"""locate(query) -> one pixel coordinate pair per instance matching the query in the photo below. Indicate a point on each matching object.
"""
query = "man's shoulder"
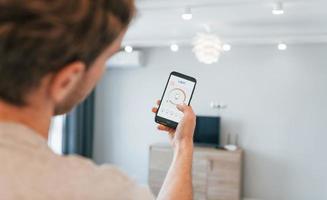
(71, 177)
(32, 170)
(106, 179)
(79, 164)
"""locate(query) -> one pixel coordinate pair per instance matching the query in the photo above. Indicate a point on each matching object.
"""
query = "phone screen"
(178, 91)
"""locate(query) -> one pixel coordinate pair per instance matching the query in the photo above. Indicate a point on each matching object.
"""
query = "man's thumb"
(181, 107)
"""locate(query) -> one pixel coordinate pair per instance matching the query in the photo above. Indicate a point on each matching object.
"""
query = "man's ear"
(65, 80)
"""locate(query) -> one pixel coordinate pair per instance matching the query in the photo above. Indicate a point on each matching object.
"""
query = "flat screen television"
(207, 131)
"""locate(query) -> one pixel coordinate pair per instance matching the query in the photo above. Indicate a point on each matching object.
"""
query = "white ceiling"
(159, 23)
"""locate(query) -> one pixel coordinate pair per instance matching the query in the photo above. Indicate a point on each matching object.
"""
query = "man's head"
(56, 50)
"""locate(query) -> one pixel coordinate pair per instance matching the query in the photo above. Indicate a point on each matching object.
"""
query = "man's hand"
(183, 135)
(178, 182)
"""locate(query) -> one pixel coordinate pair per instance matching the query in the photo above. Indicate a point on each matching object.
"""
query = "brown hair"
(38, 37)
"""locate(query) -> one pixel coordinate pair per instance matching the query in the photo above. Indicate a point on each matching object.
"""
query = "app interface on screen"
(178, 91)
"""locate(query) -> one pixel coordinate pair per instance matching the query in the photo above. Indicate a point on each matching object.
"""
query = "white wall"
(276, 103)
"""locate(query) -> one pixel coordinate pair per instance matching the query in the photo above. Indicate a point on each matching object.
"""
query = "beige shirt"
(30, 170)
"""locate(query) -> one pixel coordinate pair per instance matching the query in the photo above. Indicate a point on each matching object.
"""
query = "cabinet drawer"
(224, 180)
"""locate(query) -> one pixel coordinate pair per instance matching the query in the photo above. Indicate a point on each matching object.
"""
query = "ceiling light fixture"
(207, 47)
(128, 49)
(174, 47)
(187, 15)
(282, 46)
(227, 47)
(278, 9)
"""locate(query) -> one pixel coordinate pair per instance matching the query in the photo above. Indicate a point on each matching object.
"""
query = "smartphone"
(179, 90)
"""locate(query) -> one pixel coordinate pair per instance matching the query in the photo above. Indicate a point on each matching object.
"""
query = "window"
(56, 133)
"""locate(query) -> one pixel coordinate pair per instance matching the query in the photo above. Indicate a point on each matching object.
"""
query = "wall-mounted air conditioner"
(126, 60)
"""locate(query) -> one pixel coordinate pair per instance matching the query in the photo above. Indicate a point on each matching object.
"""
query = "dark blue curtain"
(79, 128)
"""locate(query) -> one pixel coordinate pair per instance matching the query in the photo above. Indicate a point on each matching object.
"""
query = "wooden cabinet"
(216, 173)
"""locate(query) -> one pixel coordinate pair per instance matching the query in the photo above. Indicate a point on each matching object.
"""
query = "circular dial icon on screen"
(177, 96)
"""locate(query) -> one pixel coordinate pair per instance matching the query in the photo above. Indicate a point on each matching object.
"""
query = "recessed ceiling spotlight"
(278, 9)
(187, 15)
(174, 47)
(282, 46)
(128, 49)
(227, 47)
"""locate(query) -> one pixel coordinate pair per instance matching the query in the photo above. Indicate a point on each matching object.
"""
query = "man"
(52, 53)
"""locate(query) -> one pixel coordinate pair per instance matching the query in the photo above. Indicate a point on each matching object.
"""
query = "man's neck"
(34, 117)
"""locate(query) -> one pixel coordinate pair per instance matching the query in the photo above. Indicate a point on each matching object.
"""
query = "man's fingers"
(165, 128)
(162, 128)
(154, 110)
